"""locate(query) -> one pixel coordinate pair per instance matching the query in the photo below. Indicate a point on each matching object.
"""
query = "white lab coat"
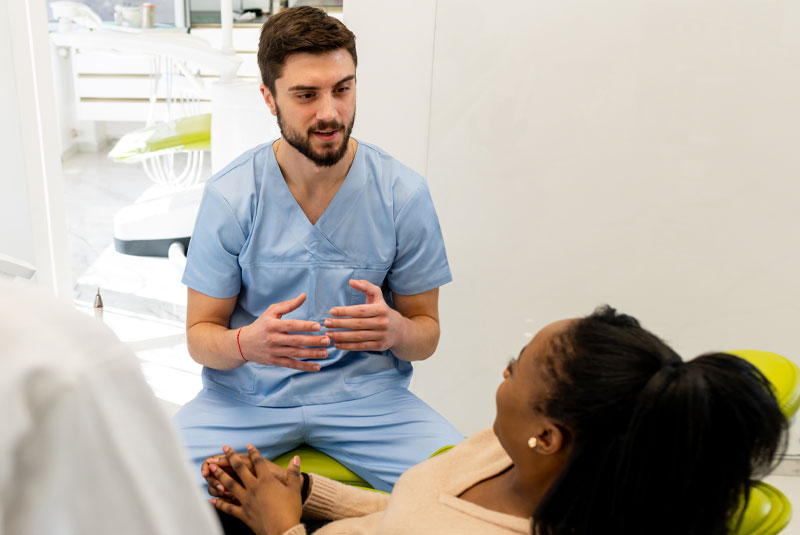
(85, 447)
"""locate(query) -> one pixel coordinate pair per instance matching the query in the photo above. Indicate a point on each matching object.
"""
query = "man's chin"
(329, 157)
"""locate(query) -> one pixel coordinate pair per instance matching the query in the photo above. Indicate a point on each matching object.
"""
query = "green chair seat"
(184, 134)
(313, 460)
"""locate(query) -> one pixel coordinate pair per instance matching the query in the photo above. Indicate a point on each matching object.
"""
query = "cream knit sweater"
(424, 499)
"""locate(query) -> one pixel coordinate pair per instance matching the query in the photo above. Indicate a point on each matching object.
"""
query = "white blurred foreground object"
(11, 267)
(87, 448)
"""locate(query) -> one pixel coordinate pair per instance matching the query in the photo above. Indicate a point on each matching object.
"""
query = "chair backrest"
(783, 374)
(768, 510)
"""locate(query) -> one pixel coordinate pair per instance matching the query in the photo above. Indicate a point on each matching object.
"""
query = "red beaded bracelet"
(240, 345)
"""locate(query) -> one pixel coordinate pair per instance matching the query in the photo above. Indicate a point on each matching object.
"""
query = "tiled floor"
(145, 303)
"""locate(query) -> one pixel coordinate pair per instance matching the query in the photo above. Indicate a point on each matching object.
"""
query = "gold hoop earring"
(532, 442)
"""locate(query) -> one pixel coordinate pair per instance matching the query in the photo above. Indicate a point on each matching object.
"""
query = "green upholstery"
(443, 449)
(187, 133)
(313, 460)
(768, 510)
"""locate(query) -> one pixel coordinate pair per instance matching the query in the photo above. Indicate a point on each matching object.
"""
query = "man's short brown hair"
(299, 29)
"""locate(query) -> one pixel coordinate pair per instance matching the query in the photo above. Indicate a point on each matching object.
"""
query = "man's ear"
(268, 98)
(551, 439)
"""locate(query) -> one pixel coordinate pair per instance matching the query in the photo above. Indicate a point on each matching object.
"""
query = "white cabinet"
(116, 86)
(245, 43)
(110, 77)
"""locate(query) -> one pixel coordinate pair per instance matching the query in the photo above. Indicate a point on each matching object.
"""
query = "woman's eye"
(510, 366)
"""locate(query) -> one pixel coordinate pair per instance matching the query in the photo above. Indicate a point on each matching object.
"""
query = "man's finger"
(359, 346)
(356, 324)
(298, 326)
(277, 310)
(355, 311)
(302, 340)
(374, 293)
(301, 352)
(294, 353)
(286, 362)
(227, 507)
(356, 336)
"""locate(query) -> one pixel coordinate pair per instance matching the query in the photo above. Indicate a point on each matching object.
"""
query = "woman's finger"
(259, 463)
(213, 486)
(294, 465)
(240, 468)
(227, 507)
(230, 484)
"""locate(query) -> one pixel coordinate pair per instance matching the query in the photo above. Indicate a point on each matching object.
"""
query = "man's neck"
(304, 175)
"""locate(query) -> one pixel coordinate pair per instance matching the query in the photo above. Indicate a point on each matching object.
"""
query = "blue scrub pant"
(378, 437)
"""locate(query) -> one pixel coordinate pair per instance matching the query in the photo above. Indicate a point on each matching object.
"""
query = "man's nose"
(326, 111)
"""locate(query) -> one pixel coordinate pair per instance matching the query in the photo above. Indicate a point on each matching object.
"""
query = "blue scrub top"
(252, 239)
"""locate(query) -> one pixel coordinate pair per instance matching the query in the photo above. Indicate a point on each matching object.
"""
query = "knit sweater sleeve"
(331, 500)
(299, 529)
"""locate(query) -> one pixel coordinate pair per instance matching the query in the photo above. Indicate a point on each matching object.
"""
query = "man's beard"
(302, 143)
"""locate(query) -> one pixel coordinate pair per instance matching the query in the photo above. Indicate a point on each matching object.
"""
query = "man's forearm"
(214, 346)
(418, 339)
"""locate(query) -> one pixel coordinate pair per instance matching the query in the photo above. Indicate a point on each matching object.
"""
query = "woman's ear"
(550, 440)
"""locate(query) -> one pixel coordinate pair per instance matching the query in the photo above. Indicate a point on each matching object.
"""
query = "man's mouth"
(326, 134)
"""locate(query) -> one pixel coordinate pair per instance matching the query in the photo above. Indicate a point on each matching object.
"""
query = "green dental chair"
(160, 223)
(768, 510)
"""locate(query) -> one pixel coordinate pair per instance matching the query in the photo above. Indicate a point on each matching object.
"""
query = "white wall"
(32, 219)
(395, 61)
(641, 154)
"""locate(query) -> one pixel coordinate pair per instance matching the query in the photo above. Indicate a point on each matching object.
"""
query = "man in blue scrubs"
(313, 277)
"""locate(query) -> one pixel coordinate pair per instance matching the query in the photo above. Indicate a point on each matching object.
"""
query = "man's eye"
(304, 96)
(510, 365)
(343, 89)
